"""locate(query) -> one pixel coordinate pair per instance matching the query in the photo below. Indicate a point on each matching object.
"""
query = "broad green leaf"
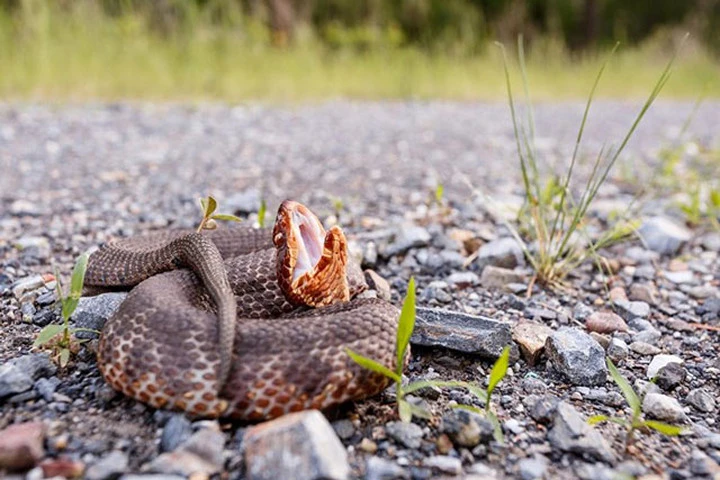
(203, 205)
(406, 325)
(418, 411)
(64, 357)
(419, 385)
(211, 206)
(664, 428)
(78, 276)
(226, 217)
(499, 370)
(404, 410)
(69, 305)
(82, 329)
(261, 214)
(497, 428)
(595, 419)
(627, 391)
(47, 333)
(373, 365)
(469, 408)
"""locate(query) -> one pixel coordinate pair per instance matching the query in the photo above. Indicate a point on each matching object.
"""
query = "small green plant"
(209, 220)
(60, 337)
(636, 421)
(262, 212)
(338, 206)
(702, 206)
(439, 192)
(498, 372)
(551, 216)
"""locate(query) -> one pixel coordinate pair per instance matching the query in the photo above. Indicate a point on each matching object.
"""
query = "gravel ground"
(75, 176)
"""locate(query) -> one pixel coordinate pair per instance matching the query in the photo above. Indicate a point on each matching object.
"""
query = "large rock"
(460, 331)
(21, 446)
(93, 312)
(571, 433)
(664, 408)
(577, 356)
(497, 277)
(663, 236)
(502, 252)
(19, 374)
(201, 454)
(302, 446)
(407, 236)
(109, 467)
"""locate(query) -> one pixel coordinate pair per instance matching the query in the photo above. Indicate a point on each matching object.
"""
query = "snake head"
(311, 262)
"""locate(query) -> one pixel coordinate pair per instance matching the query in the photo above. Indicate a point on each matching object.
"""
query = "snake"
(241, 322)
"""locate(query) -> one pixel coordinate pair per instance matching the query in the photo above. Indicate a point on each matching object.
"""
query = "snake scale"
(240, 322)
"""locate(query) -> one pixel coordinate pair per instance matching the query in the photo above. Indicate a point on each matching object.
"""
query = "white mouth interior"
(310, 240)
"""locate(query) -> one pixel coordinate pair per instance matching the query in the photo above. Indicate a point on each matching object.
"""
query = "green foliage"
(551, 216)
(498, 372)
(59, 337)
(208, 206)
(636, 421)
(262, 213)
(439, 192)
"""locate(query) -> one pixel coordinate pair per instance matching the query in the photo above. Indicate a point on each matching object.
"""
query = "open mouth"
(309, 236)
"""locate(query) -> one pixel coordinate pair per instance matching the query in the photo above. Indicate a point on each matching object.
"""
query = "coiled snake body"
(241, 322)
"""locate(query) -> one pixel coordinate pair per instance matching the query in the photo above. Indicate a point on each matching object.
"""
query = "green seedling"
(338, 206)
(636, 421)
(439, 193)
(551, 217)
(60, 337)
(498, 372)
(262, 212)
(406, 325)
(209, 220)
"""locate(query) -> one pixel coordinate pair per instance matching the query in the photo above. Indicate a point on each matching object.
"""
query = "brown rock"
(531, 337)
(645, 292)
(21, 446)
(62, 467)
(605, 322)
(378, 283)
(617, 293)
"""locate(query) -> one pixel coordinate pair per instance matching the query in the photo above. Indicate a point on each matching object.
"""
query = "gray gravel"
(75, 176)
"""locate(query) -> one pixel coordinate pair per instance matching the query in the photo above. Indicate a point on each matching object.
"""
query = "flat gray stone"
(460, 331)
(630, 310)
(577, 356)
(497, 277)
(407, 434)
(701, 400)
(93, 312)
(109, 467)
(377, 468)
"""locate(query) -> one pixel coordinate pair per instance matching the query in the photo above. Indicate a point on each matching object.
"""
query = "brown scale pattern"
(162, 346)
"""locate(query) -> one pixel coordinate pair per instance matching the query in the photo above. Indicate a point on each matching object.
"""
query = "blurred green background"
(305, 50)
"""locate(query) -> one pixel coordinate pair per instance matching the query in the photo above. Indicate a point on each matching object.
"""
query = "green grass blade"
(578, 140)
(373, 366)
(406, 325)
(226, 217)
(664, 428)
(261, 213)
(418, 411)
(47, 333)
(499, 370)
(469, 408)
(630, 396)
(78, 276)
(511, 102)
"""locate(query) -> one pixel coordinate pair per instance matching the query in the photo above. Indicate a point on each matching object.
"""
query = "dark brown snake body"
(214, 326)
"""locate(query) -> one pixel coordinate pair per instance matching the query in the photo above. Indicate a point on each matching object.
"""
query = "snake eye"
(278, 238)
